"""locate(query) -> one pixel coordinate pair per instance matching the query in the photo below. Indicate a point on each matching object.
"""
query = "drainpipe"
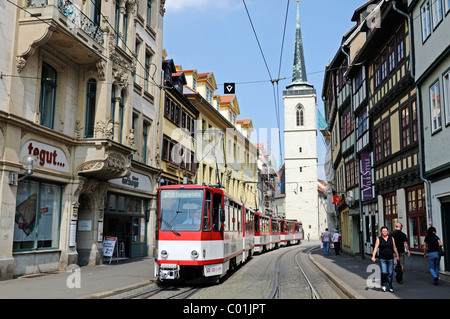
(361, 245)
(419, 117)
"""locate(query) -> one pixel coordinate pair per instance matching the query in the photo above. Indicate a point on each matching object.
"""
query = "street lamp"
(28, 163)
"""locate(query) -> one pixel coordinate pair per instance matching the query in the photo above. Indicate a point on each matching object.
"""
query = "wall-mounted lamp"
(28, 163)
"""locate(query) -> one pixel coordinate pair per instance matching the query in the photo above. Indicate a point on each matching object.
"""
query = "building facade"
(77, 160)
(432, 76)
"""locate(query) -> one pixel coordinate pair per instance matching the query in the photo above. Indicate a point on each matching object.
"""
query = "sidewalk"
(95, 281)
(350, 273)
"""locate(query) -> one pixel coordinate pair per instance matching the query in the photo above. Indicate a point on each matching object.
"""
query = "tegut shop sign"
(47, 156)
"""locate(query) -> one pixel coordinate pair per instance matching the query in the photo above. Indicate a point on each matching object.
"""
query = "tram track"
(308, 272)
(171, 292)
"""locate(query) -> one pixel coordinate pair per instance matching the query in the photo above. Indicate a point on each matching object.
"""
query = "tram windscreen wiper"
(169, 225)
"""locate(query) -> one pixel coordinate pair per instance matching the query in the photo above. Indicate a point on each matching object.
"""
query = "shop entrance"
(120, 227)
(125, 219)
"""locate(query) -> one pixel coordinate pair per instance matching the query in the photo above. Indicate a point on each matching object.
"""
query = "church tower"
(300, 144)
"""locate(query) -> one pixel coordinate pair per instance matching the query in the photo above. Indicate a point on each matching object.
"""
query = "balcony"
(102, 159)
(61, 26)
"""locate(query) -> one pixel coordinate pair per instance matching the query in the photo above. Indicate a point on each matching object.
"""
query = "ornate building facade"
(77, 110)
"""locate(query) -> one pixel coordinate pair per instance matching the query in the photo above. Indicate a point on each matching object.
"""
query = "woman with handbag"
(431, 248)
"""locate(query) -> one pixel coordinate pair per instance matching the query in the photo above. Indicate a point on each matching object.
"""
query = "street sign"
(229, 88)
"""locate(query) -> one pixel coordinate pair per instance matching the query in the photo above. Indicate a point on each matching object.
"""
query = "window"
(447, 6)
(125, 28)
(96, 11)
(391, 56)
(416, 213)
(446, 100)
(414, 126)
(299, 116)
(435, 104)
(426, 20)
(400, 36)
(390, 210)
(116, 29)
(377, 137)
(351, 179)
(148, 62)
(405, 120)
(144, 142)
(149, 12)
(48, 93)
(384, 66)
(436, 12)
(386, 139)
(90, 108)
(362, 124)
(377, 73)
(121, 113)
(341, 77)
(346, 124)
(37, 218)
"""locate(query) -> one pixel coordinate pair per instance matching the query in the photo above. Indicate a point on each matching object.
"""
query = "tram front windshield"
(181, 209)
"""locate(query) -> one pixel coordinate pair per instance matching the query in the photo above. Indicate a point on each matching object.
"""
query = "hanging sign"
(366, 177)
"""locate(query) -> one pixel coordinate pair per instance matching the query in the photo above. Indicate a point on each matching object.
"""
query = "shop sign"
(135, 181)
(366, 176)
(47, 156)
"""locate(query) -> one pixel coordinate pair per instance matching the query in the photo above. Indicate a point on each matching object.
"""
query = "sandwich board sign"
(109, 243)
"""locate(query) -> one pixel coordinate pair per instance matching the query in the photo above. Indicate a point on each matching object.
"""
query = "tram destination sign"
(182, 193)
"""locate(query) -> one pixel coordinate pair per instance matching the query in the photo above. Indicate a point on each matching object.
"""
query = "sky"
(217, 36)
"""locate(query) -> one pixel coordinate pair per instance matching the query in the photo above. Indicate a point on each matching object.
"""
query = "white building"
(300, 138)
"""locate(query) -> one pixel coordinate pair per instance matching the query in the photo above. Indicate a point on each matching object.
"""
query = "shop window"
(37, 218)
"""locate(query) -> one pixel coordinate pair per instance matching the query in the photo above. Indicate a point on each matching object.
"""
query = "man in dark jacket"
(401, 242)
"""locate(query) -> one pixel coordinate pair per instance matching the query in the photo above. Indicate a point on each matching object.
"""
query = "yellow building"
(224, 152)
(178, 120)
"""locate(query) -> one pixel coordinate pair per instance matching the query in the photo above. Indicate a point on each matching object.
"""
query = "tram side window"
(207, 212)
(239, 212)
(256, 223)
(217, 205)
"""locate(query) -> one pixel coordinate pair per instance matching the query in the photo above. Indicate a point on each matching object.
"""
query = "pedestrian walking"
(431, 252)
(387, 247)
(336, 241)
(401, 242)
(308, 236)
(326, 240)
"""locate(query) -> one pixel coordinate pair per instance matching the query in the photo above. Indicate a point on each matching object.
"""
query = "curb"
(345, 288)
(118, 291)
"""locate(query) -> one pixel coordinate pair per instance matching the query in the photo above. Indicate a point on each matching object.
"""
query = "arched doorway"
(88, 253)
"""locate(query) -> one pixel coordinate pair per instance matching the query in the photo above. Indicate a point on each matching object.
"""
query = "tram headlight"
(164, 254)
(194, 254)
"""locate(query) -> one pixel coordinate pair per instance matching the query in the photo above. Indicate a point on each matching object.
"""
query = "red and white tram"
(200, 232)
(203, 232)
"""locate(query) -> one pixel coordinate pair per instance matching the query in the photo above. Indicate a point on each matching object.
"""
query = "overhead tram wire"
(276, 105)
(278, 78)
